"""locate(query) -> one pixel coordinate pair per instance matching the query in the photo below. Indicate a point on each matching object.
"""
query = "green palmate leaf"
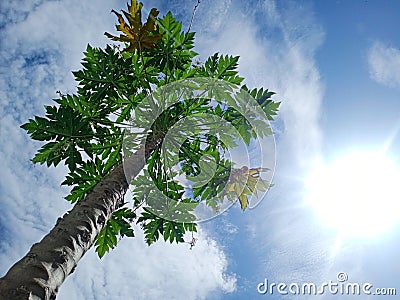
(107, 154)
(59, 123)
(35, 127)
(154, 227)
(118, 226)
(123, 218)
(105, 83)
(74, 157)
(69, 131)
(75, 103)
(174, 232)
(222, 67)
(106, 240)
(263, 97)
(84, 179)
(258, 127)
(174, 56)
(271, 109)
(180, 211)
(214, 187)
(114, 156)
(50, 153)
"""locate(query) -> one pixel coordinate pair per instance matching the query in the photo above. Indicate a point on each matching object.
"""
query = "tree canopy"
(155, 89)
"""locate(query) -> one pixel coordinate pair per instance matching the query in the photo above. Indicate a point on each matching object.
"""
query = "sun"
(357, 194)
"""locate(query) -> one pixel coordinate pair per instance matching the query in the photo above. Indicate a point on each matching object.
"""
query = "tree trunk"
(40, 273)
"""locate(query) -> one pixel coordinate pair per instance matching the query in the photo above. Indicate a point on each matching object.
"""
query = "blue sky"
(335, 65)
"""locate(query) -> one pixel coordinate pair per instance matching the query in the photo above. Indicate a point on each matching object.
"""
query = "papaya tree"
(152, 117)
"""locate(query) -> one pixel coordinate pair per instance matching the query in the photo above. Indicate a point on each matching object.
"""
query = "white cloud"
(31, 200)
(294, 247)
(277, 48)
(384, 64)
(135, 271)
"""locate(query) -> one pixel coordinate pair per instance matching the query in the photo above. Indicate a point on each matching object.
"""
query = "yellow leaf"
(231, 187)
(263, 185)
(135, 14)
(137, 35)
(123, 26)
(256, 171)
(243, 201)
(150, 24)
(238, 189)
(245, 182)
(251, 183)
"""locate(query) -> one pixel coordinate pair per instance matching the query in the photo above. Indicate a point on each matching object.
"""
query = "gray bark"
(40, 273)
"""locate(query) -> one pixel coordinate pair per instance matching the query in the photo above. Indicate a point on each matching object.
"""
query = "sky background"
(335, 65)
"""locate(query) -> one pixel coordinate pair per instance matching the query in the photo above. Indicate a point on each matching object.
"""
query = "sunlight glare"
(357, 194)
